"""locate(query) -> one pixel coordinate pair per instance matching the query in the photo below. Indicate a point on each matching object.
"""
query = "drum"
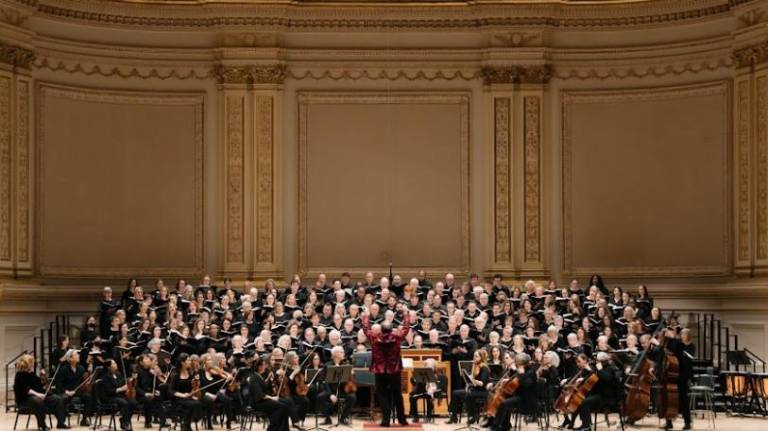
(760, 385)
(736, 383)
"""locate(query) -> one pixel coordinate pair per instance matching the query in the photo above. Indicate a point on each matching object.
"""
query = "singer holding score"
(386, 363)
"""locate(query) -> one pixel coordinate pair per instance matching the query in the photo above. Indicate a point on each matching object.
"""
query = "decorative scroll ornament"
(516, 74)
(16, 56)
(274, 74)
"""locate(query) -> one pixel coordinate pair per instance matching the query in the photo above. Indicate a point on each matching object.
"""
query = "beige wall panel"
(644, 195)
(120, 182)
(385, 181)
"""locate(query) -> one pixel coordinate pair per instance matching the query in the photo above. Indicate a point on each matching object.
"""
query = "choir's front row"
(275, 386)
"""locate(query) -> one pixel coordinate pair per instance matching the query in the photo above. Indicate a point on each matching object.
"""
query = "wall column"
(751, 160)
(16, 161)
(250, 100)
(516, 95)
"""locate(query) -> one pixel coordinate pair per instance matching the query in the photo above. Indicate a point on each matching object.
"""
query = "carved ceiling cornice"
(538, 74)
(751, 55)
(395, 14)
(272, 74)
(16, 56)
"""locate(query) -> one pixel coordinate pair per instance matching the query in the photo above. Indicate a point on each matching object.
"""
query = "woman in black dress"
(181, 392)
(32, 396)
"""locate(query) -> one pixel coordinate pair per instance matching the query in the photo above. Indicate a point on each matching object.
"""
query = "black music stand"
(312, 377)
(425, 376)
(338, 375)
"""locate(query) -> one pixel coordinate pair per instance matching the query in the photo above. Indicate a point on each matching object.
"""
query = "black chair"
(102, 408)
(606, 408)
(20, 410)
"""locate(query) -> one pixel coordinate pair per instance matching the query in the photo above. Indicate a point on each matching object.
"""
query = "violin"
(350, 385)
(196, 393)
(130, 391)
(301, 385)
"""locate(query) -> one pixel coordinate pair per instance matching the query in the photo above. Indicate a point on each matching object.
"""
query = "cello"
(575, 392)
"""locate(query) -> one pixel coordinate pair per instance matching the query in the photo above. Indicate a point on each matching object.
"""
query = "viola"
(196, 393)
(301, 385)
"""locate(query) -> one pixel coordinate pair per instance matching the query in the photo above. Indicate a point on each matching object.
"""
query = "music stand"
(425, 376)
(738, 358)
(312, 377)
(338, 375)
(466, 367)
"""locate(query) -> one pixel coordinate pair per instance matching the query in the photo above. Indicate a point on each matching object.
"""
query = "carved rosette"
(751, 55)
(263, 135)
(539, 74)
(235, 179)
(742, 187)
(16, 56)
(274, 74)
(5, 168)
(762, 167)
(503, 243)
(532, 177)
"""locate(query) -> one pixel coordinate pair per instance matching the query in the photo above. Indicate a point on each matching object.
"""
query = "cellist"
(524, 397)
(684, 351)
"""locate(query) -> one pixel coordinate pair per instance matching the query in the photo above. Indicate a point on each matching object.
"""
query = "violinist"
(180, 387)
(147, 385)
(331, 392)
(71, 384)
(300, 402)
(33, 396)
(475, 390)
(262, 399)
(113, 387)
(213, 379)
(524, 397)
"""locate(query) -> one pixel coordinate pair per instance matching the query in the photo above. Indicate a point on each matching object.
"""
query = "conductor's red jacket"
(386, 347)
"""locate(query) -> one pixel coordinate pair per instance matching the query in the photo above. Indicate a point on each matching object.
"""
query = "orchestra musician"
(213, 379)
(183, 398)
(474, 392)
(426, 391)
(332, 393)
(71, 384)
(684, 350)
(524, 397)
(112, 389)
(262, 399)
(604, 391)
(148, 383)
(34, 397)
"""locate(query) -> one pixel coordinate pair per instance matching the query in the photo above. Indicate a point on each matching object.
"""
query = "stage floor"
(723, 422)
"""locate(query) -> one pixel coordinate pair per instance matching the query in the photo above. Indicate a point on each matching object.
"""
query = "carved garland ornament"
(516, 74)
(501, 178)
(16, 56)
(751, 55)
(532, 174)
(235, 179)
(742, 217)
(5, 168)
(274, 74)
(22, 172)
(762, 167)
(264, 185)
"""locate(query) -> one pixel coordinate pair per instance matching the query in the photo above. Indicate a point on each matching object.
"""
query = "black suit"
(69, 380)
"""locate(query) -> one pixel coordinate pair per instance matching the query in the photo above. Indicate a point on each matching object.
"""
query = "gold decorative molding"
(515, 38)
(16, 56)
(264, 144)
(96, 68)
(354, 74)
(752, 55)
(761, 137)
(384, 15)
(532, 178)
(641, 70)
(502, 176)
(308, 98)
(571, 98)
(196, 100)
(274, 74)
(743, 168)
(516, 74)
(5, 169)
(235, 173)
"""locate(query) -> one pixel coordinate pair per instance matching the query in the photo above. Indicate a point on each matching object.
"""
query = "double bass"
(667, 401)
